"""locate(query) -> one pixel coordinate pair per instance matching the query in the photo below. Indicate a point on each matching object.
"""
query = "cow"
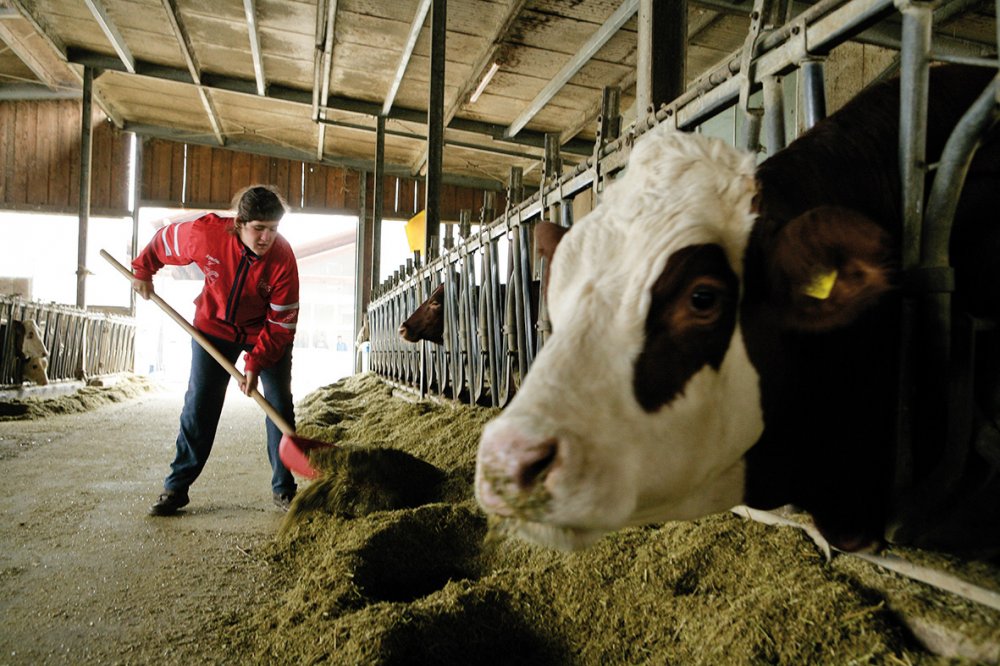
(725, 333)
(427, 321)
(29, 348)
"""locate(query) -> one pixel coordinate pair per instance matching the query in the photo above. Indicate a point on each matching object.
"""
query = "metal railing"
(81, 344)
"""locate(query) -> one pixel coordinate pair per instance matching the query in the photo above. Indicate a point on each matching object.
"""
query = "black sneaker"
(283, 500)
(169, 502)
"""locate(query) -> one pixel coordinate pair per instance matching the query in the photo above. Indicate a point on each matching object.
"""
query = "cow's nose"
(532, 465)
(513, 469)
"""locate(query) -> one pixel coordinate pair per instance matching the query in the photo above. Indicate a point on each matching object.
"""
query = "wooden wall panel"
(199, 178)
(58, 159)
(6, 149)
(41, 142)
(260, 171)
(71, 136)
(221, 176)
(24, 131)
(101, 171)
(294, 192)
(241, 171)
(40, 150)
(280, 170)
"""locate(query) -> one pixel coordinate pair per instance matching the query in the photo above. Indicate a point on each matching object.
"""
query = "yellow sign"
(416, 232)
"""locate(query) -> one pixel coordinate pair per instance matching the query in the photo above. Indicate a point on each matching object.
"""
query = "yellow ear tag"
(821, 285)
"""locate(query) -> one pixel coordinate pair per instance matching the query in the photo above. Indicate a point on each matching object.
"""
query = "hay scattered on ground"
(398, 565)
(84, 399)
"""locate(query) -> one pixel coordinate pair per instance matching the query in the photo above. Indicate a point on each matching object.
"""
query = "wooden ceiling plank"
(610, 27)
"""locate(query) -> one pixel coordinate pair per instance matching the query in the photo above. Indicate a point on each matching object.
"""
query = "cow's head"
(36, 370)
(643, 401)
(427, 321)
(28, 339)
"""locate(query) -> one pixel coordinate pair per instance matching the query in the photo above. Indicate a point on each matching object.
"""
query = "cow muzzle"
(512, 471)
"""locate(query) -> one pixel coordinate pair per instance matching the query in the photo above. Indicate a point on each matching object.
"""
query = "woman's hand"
(250, 383)
(143, 287)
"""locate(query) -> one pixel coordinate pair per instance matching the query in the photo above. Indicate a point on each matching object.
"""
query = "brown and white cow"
(427, 321)
(32, 352)
(725, 333)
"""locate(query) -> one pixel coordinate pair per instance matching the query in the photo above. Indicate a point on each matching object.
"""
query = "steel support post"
(914, 84)
(378, 198)
(86, 148)
(435, 128)
(661, 55)
(774, 114)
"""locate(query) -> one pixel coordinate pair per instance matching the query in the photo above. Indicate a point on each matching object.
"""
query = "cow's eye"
(704, 299)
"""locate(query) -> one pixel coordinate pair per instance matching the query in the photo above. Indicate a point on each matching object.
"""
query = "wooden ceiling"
(307, 79)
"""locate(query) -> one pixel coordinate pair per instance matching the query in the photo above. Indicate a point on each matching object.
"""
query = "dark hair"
(259, 202)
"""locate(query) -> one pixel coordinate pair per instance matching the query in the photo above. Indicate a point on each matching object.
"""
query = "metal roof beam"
(245, 86)
(250, 9)
(111, 32)
(404, 59)
(586, 52)
(416, 136)
(325, 28)
(184, 43)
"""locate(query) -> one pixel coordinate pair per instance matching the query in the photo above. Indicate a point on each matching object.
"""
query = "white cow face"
(642, 402)
(35, 370)
(30, 337)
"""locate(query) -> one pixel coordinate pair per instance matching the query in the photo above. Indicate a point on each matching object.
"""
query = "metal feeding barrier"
(81, 344)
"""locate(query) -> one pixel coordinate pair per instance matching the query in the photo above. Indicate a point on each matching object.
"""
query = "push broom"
(293, 449)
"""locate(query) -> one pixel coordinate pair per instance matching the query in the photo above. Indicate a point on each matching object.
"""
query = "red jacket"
(246, 299)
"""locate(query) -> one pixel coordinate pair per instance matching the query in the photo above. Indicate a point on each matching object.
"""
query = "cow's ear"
(828, 266)
(547, 237)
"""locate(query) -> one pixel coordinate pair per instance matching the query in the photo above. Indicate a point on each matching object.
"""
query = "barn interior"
(416, 143)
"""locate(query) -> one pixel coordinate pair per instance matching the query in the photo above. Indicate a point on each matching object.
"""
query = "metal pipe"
(813, 91)
(914, 90)
(774, 114)
(952, 170)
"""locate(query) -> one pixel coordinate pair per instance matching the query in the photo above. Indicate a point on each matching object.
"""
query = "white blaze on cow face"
(575, 454)
(36, 370)
(32, 345)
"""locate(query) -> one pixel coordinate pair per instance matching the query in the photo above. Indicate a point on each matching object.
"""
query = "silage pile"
(387, 560)
(84, 399)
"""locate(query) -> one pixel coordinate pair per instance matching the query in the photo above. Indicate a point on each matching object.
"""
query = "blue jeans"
(203, 402)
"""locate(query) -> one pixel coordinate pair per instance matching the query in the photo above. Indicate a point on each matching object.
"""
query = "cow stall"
(73, 345)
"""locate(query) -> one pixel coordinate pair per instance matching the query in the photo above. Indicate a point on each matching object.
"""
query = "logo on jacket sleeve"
(264, 289)
(211, 275)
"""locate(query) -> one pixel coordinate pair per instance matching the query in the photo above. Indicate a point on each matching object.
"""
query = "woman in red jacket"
(250, 303)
